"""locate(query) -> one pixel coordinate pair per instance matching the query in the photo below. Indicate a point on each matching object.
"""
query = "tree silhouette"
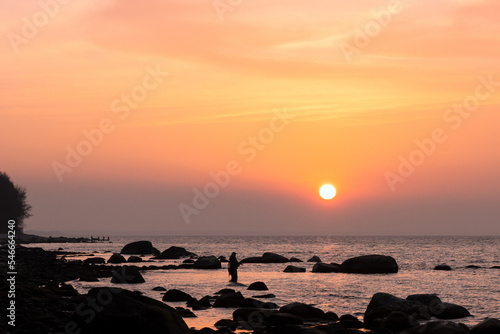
(13, 205)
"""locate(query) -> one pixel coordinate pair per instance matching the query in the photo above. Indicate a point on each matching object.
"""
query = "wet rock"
(303, 311)
(159, 288)
(127, 275)
(223, 291)
(94, 260)
(188, 261)
(261, 286)
(202, 304)
(444, 267)
(451, 311)
(294, 269)
(370, 264)
(229, 300)
(185, 313)
(294, 259)
(350, 321)
(487, 326)
(139, 247)
(268, 295)
(273, 258)
(207, 262)
(425, 298)
(116, 258)
(314, 259)
(472, 266)
(174, 252)
(397, 321)
(134, 259)
(252, 317)
(282, 319)
(127, 312)
(331, 316)
(175, 295)
(439, 327)
(321, 267)
(226, 323)
(254, 303)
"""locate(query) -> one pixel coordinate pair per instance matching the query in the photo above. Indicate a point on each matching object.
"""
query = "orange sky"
(410, 69)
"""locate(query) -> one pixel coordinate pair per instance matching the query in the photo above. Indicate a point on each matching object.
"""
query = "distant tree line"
(13, 204)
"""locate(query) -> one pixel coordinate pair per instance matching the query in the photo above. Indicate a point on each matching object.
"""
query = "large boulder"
(303, 311)
(116, 310)
(139, 247)
(207, 262)
(266, 258)
(273, 258)
(174, 252)
(175, 295)
(370, 264)
(321, 267)
(487, 326)
(127, 275)
(116, 258)
(383, 304)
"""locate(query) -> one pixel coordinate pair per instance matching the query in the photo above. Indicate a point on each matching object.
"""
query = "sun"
(327, 191)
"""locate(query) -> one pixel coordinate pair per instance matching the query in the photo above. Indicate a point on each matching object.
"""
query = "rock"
(273, 258)
(252, 317)
(397, 321)
(294, 259)
(303, 311)
(294, 269)
(139, 247)
(254, 303)
(174, 253)
(185, 313)
(439, 327)
(495, 267)
(370, 264)
(201, 304)
(88, 279)
(487, 326)
(116, 258)
(266, 258)
(451, 311)
(188, 261)
(472, 266)
(226, 323)
(321, 267)
(382, 304)
(175, 295)
(223, 291)
(222, 259)
(134, 259)
(314, 259)
(207, 262)
(127, 275)
(426, 299)
(331, 316)
(269, 295)
(282, 319)
(443, 267)
(261, 286)
(60, 249)
(159, 288)
(123, 311)
(94, 260)
(229, 300)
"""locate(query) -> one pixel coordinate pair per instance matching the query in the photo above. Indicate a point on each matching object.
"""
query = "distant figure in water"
(232, 267)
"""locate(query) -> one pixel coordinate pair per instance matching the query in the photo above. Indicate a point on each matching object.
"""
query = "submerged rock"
(314, 259)
(95, 260)
(174, 253)
(444, 267)
(370, 264)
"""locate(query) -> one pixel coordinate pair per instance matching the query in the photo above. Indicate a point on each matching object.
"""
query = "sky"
(225, 117)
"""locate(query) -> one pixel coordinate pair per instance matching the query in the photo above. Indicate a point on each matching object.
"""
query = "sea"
(476, 289)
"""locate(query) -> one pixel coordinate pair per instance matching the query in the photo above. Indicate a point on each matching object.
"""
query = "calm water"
(476, 289)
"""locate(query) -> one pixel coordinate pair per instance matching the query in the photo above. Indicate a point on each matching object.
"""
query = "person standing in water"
(232, 267)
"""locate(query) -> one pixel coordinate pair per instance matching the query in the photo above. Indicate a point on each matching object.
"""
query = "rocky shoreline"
(45, 303)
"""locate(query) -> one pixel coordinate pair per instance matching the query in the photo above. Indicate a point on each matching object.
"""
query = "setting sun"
(327, 191)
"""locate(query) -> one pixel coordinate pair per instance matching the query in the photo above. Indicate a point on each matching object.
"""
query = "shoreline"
(42, 284)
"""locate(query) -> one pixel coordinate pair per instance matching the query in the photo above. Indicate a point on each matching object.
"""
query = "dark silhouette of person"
(232, 267)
